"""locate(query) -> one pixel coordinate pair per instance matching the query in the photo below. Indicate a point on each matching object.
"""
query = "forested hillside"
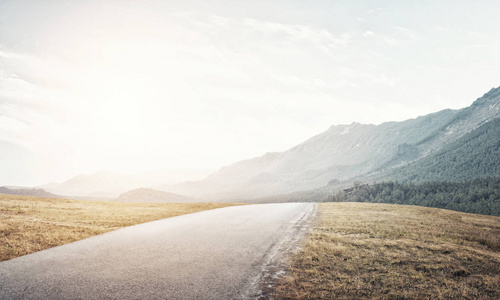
(475, 155)
(481, 196)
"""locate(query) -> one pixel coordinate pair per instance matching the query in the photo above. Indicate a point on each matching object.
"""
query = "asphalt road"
(215, 254)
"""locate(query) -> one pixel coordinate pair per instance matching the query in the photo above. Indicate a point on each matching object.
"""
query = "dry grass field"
(30, 224)
(383, 251)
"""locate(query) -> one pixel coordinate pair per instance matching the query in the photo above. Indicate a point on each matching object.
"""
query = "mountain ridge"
(343, 152)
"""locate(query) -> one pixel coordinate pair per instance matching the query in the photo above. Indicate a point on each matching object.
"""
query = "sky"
(132, 86)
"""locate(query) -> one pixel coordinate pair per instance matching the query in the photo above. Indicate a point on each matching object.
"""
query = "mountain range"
(449, 145)
(345, 153)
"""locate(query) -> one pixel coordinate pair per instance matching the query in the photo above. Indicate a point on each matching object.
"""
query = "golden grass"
(30, 224)
(383, 251)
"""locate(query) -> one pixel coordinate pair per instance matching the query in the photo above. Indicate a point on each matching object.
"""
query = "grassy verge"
(384, 251)
(30, 224)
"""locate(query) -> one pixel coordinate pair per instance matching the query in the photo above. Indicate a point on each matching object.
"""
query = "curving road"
(215, 254)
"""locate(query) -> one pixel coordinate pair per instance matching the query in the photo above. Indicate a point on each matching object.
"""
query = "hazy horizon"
(129, 86)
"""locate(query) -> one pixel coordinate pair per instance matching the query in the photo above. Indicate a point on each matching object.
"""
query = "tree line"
(480, 196)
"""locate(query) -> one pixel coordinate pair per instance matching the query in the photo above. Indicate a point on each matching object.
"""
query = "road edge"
(278, 257)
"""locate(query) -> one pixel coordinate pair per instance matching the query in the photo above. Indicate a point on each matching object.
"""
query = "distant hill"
(345, 153)
(100, 184)
(152, 196)
(28, 192)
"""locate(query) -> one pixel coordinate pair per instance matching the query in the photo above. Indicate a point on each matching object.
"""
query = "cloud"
(30, 114)
(11, 55)
(368, 33)
(407, 34)
(297, 33)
